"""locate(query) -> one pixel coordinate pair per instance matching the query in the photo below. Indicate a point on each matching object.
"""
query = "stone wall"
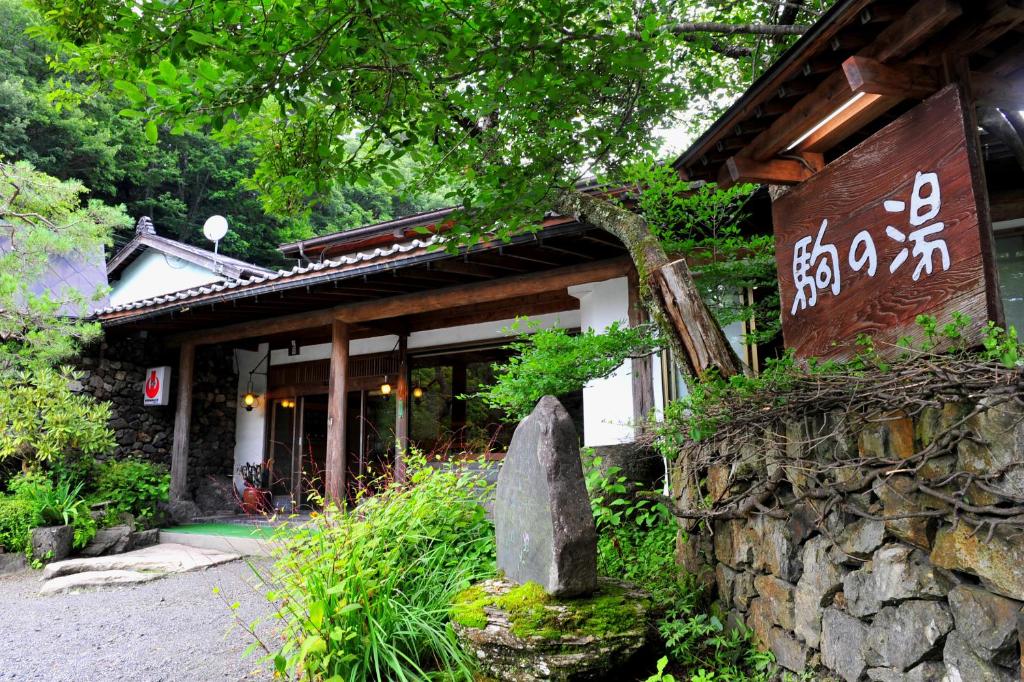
(114, 370)
(896, 591)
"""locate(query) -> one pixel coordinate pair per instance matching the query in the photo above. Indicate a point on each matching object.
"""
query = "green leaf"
(168, 72)
(312, 645)
(151, 131)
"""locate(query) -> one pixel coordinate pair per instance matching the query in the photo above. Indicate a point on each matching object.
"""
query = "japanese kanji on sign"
(887, 232)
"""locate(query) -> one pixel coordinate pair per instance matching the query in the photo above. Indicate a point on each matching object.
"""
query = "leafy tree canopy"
(42, 218)
(179, 180)
(504, 103)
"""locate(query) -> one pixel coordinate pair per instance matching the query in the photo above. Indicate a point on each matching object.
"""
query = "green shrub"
(636, 542)
(366, 594)
(54, 504)
(17, 518)
(134, 486)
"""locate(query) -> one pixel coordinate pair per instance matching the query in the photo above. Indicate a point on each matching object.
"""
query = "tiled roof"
(341, 263)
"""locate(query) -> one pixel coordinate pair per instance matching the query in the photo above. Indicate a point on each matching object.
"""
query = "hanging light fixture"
(385, 388)
(249, 399)
(417, 392)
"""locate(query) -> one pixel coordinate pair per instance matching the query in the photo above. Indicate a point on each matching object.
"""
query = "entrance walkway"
(175, 628)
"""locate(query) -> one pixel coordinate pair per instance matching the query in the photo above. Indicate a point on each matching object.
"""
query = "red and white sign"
(156, 390)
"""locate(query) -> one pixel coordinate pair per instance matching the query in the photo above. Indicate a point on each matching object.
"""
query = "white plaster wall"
(154, 273)
(608, 402)
(250, 426)
(484, 331)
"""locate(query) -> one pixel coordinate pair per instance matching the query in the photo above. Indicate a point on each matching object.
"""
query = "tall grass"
(365, 594)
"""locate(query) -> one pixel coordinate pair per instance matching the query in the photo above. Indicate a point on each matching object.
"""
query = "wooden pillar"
(337, 399)
(642, 370)
(182, 423)
(402, 407)
(459, 406)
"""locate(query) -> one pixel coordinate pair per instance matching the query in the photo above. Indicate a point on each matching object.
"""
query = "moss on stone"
(534, 613)
(468, 607)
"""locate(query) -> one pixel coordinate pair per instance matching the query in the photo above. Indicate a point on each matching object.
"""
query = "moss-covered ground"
(534, 613)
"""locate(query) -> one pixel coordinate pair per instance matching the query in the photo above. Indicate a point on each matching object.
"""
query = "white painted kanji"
(814, 267)
(816, 263)
(923, 244)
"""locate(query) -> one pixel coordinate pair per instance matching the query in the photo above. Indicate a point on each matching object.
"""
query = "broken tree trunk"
(667, 287)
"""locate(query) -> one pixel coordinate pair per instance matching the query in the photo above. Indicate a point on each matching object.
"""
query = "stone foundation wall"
(114, 370)
(876, 595)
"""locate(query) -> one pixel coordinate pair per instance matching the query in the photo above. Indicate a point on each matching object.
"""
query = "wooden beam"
(337, 400)
(996, 123)
(997, 18)
(481, 292)
(872, 77)
(772, 172)
(846, 123)
(182, 423)
(395, 306)
(920, 22)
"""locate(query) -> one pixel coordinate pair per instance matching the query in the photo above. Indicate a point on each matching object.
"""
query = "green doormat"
(233, 530)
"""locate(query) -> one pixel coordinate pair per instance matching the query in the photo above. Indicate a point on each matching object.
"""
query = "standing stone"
(52, 543)
(542, 517)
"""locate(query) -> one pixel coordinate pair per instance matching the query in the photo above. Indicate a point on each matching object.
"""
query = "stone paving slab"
(162, 558)
(74, 581)
(141, 565)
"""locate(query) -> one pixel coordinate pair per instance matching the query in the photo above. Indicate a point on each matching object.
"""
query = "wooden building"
(372, 337)
(892, 134)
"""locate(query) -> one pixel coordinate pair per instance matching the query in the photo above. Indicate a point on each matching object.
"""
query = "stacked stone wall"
(897, 591)
(114, 370)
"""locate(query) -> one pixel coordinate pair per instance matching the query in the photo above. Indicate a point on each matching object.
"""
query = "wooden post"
(337, 399)
(402, 407)
(182, 423)
(459, 406)
(642, 368)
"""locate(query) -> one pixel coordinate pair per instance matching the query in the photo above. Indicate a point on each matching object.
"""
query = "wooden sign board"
(887, 232)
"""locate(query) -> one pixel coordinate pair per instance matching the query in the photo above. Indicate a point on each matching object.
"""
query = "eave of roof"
(830, 23)
(397, 229)
(215, 262)
(350, 266)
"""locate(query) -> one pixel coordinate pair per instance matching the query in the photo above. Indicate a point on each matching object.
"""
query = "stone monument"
(549, 617)
(542, 518)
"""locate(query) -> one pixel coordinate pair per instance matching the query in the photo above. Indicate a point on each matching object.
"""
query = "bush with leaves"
(132, 486)
(54, 504)
(17, 519)
(709, 227)
(556, 362)
(636, 542)
(365, 594)
(43, 218)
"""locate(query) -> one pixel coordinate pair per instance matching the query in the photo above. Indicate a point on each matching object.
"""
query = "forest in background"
(178, 181)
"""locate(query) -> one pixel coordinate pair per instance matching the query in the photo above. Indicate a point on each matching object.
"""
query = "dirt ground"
(175, 628)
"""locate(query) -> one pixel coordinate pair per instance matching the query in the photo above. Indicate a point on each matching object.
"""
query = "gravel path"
(175, 628)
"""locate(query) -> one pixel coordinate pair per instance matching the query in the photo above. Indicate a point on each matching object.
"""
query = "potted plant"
(57, 507)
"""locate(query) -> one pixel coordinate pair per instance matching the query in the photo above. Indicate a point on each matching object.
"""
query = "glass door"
(281, 450)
